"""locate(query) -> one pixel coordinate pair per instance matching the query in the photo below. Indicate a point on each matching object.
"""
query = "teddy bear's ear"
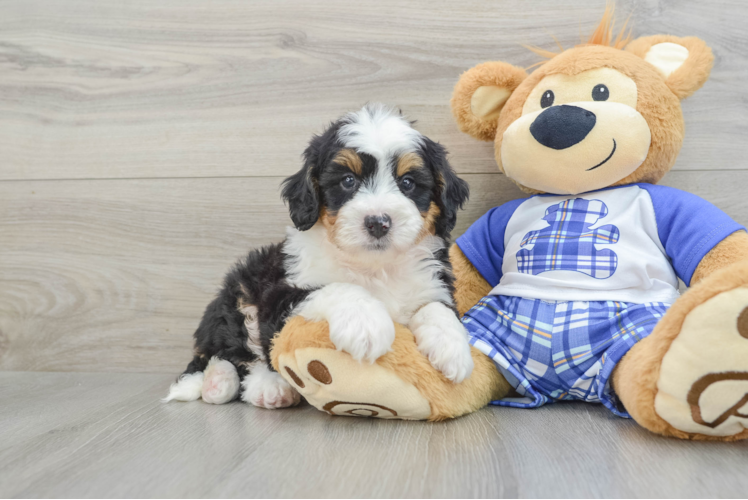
(684, 63)
(481, 93)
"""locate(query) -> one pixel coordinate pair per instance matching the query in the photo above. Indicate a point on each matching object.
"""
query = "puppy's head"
(375, 183)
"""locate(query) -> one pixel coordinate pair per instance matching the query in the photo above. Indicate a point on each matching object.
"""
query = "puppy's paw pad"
(269, 390)
(221, 382)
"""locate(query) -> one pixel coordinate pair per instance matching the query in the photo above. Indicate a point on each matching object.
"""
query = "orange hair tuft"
(603, 35)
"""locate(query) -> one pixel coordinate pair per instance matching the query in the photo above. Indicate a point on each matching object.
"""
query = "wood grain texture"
(105, 275)
(107, 435)
(141, 148)
(92, 89)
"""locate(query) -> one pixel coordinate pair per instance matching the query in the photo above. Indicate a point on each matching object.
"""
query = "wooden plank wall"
(142, 143)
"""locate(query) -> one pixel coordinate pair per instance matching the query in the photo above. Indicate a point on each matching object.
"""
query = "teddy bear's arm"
(731, 250)
(470, 286)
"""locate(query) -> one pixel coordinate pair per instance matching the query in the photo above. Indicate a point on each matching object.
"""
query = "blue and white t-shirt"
(628, 244)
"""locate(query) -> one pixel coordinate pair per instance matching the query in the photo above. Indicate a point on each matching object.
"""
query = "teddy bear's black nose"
(560, 127)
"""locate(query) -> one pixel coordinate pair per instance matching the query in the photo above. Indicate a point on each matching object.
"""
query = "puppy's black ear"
(452, 192)
(301, 192)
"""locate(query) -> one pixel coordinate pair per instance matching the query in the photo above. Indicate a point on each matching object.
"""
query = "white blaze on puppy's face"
(378, 132)
(378, 196)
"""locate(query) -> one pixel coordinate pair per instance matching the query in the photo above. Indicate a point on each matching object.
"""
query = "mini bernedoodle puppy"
(373, 207)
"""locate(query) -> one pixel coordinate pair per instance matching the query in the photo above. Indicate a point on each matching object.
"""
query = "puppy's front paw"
(448, 352)
(365, 331)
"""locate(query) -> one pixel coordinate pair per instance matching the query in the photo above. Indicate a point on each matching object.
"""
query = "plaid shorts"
(552, 351)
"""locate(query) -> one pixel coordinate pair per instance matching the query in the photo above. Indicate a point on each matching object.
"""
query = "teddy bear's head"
(600, 114)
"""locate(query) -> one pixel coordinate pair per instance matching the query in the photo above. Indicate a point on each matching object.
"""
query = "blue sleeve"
(688, 227)
(483, 242)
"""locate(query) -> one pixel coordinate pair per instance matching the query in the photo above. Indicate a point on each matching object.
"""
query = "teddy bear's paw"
(267, 389)
(366, 332)
(335, 383)
(703, 381)
(220, 382)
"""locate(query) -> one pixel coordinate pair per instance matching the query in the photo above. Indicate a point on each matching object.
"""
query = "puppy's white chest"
(405, 294)
(404, 283)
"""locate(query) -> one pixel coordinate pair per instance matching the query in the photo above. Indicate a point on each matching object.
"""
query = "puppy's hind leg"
(221, 382)
(261, 386)
(267, 389)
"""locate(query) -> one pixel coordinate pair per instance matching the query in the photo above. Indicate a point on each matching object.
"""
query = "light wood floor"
(142, 144)
(107, 435)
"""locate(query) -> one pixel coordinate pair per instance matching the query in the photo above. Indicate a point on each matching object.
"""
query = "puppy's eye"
(407, 184)
(348, 182)
(600, 92)
(547, 99)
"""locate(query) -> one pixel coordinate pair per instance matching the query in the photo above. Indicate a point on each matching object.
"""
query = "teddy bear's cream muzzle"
(562, 155)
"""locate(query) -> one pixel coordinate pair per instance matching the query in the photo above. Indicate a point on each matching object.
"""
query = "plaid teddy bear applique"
(568, 243)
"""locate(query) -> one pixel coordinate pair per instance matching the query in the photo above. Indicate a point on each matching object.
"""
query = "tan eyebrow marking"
(429, 220)
(350, 159)
(408, 162)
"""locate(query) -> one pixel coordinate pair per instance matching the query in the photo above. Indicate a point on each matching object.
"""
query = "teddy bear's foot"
(689, 378)
(335, 383)
(220, 382)
(703, 382)
(401, 384)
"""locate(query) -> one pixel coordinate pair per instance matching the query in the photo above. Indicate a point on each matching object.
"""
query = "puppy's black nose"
(377, 225)
(560, 127)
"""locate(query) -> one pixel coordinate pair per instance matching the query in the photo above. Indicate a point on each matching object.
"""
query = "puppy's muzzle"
(561, 127)
(377, 225)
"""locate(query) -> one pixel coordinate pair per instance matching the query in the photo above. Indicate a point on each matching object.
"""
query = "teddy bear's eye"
(600, 92)
(547, 99)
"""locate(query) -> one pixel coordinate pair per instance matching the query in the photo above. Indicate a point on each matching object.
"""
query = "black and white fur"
(333, 266)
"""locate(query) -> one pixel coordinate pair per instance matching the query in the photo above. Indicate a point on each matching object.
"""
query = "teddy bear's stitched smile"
(606, 159)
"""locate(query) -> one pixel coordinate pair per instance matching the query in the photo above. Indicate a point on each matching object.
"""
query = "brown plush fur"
(470, 286)
(690, 77)
(498, 74)
(448, 400)
(731, 250)
(635, 377)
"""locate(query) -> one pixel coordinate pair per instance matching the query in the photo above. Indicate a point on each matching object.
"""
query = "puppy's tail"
(189, 385)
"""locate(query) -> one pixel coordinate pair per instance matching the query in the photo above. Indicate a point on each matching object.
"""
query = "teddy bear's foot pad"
(335, 383)
(703, 382)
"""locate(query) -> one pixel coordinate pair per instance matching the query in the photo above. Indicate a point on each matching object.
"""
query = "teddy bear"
(572, 293)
